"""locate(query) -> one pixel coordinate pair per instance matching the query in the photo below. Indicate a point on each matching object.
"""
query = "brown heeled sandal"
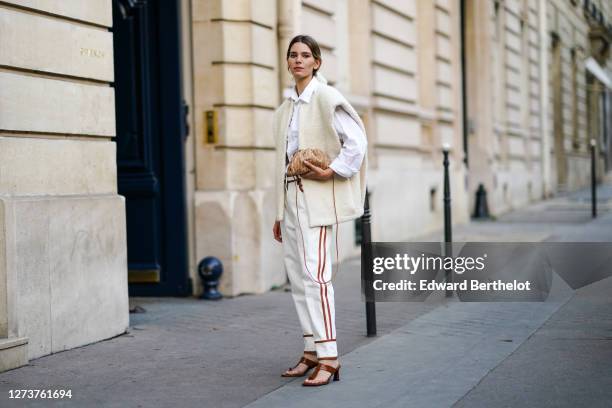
(334, 372)
(309, 364)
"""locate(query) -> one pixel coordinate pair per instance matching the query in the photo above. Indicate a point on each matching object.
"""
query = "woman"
(315, 115)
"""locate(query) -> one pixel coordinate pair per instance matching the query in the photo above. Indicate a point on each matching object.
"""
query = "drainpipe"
(464, 88)
(544, 128)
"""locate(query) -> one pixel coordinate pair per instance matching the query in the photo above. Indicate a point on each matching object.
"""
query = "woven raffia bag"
(316, 157)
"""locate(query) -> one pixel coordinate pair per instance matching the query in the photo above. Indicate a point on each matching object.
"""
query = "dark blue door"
(151, 132)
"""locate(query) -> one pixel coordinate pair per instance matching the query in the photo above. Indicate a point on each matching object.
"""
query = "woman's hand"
(317, 173)
(276, 230)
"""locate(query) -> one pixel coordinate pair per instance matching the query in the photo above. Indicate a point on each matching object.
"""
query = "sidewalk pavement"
(187, 352)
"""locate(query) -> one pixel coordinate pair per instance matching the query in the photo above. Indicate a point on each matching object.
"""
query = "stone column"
(289, 25)
(479, 96)
(427, 75)
(236, 76)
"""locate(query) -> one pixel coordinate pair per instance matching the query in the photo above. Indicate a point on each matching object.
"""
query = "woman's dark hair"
(312, 44)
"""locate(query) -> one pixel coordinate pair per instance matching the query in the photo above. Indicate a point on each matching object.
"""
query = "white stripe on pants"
(307, 253)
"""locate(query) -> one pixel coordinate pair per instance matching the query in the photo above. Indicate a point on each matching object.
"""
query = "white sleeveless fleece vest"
(317, 131)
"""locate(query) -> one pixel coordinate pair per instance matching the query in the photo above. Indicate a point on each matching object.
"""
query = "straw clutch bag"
(297, 167)
(316, 157)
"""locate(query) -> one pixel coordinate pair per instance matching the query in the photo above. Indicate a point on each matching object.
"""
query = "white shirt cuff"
(341, 169)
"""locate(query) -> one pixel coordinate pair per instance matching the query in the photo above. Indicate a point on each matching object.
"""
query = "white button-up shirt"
(352, 138)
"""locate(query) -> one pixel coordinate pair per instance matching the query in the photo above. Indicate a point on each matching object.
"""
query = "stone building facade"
(63, 271)
(135, 136)
(580, 81)
(528, 98)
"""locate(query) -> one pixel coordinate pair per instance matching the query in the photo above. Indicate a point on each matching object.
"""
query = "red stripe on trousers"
(323, 273)
(319, 255)
(323, 231)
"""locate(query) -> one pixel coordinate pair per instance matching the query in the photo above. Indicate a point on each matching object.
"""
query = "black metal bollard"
(367, 275)
(210, 270)
(481, 209)
(593, 181)
(448, 235)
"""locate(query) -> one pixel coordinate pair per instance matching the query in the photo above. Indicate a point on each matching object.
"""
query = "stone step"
(562, 188)
(13, 353)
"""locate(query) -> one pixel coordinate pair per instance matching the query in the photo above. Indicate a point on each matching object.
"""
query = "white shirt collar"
(306, 93)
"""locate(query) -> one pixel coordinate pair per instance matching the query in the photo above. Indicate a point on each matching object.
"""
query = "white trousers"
(307, 255)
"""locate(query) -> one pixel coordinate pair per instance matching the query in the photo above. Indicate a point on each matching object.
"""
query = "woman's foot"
(324, 372)
(308, 361)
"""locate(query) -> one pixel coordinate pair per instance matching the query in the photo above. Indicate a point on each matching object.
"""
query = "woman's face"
(301, 62)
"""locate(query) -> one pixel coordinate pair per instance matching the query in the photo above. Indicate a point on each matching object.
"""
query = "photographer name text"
(473, 284)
